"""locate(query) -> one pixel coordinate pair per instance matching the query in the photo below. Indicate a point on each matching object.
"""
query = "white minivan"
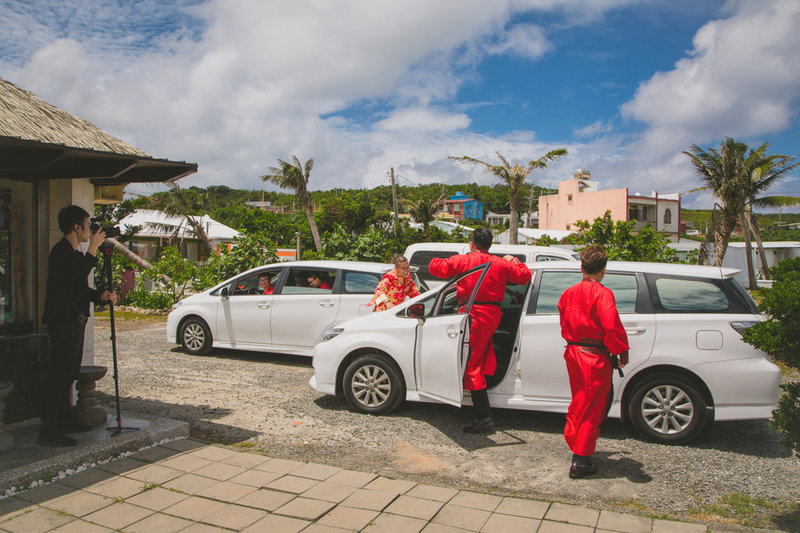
(688, 362)
(420, 254)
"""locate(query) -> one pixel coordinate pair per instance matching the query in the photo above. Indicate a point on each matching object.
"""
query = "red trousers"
(484, 320)
(590, 382)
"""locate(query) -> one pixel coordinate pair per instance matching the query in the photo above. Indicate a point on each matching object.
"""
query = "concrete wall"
(563, 210)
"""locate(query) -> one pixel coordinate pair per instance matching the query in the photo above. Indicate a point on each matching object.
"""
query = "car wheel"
(195, 336)
(667, 409)
(372, 384)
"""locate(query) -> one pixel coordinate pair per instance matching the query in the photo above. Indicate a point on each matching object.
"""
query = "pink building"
(581, 199)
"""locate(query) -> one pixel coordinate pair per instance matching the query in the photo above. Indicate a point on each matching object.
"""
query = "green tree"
(181, 272)
(779, 336)
(621, 242)
(514, 177)
(247, 251)
(295, 176)
(422, 207)
(179, 204)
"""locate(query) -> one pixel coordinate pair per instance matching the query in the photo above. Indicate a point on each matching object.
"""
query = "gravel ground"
(265, 400)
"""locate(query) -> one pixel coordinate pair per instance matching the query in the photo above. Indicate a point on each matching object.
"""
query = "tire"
(195, 336)
(668, 409)
(372, 384)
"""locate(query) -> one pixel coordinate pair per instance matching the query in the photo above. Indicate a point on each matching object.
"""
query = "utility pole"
(394, 202)
(530, 205)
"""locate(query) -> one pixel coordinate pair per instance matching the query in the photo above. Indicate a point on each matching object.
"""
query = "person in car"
(265, 284)
(484, 315)
(316, 282)
(591, 326)
(395, 286)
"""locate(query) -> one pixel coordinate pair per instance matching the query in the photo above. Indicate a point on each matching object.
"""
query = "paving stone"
(37, 521)
(246, 460)
(461, 517)
(79, 503)
(183, 445)
(277, 524)
(502, 523)
(318, 528)
(49, 492)
(123, 465)
(392, 523)
(194, 508)
(79, 526)
(235, 517)
(414, 507)
(154, 454)
(119, 487)
(118, 515)
(159, 523)
(186, 463)
(560, 512)
(293, 484)
(429, 492)
(204, 528)
(398, 486)
(375, 500)
(190, 483)
(13, 506)
(316, 471)
(86, 478)
(348, 518)
(669, 526)
(281, 466)
(524, 508)
(226, 491)
(305, 508)
(213, 453)
(474, 500)
(157, 498)
(329, 492)
(220, 471)
(153, 474)
(351, 478)
(562, 527)
(266, 499)
(625, 523)
(255, 478)
(442, 528)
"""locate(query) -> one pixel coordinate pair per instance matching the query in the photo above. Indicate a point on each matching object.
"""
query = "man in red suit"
(484, 315)
(591, 326)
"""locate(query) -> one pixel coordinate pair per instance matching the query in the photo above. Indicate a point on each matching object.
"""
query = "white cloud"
(422, 119)
(526, 40)
(593, 129)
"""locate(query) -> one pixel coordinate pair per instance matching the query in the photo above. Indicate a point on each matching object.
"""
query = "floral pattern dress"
(392, 288)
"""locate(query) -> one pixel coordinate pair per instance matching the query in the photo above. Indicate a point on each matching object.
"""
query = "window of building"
(668, 216)
(633, 213)
(569, 199)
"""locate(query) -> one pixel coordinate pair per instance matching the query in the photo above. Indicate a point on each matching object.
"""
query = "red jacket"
(494, 284)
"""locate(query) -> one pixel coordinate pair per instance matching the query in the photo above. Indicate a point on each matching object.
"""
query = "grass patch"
(786, 370)
(151, 486)
(244, 445)
(737, 508)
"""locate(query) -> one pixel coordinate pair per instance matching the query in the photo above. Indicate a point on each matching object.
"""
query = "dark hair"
(593, 259)
(482, 237)
(69, 216)
(399, 258)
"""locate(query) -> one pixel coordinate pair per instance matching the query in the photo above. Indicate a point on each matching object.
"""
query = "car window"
(554, 283)
(309, 281)
(546, 257)
(360, 282)
(422, 259)
(520, 257)
(691, 295)
(249, 285)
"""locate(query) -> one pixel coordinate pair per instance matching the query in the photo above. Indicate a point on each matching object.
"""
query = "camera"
(111, 231)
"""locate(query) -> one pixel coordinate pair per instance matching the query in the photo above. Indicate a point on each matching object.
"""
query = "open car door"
(442, 347)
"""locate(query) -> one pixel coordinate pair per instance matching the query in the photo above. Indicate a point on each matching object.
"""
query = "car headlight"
(176, 305)
(331, 333)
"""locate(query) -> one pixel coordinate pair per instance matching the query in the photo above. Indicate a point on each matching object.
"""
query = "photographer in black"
(66, 308)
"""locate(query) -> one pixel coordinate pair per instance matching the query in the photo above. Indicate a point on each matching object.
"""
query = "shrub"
(141, 297)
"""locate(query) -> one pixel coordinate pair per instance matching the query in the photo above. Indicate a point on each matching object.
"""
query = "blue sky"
(362, 86)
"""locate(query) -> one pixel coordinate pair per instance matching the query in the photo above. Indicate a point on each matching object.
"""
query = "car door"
(442, 346)
(243, 317)
(301, 312)
(357, 289)
(544, 373)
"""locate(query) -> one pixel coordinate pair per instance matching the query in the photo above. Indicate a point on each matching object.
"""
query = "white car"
(292, 319)
(688, 362)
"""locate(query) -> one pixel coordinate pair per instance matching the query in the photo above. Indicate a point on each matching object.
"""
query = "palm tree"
(736, 178)
(422, 208)
(295, 176)
(177, 204)
(514, 176)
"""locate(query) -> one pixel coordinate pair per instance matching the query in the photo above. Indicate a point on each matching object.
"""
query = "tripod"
(107, 251)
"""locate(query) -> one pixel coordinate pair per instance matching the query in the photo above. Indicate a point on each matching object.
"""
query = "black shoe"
(577, 472)
(479, 425)
(59, 440)
(74, 427)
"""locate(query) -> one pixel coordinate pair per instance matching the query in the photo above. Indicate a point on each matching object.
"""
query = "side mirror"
(224, 292)
(415, 311)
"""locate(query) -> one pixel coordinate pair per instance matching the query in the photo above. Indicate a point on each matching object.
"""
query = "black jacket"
(68, 293)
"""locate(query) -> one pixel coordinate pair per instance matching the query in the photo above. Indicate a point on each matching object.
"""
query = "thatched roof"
(41, 141)
(24, 115)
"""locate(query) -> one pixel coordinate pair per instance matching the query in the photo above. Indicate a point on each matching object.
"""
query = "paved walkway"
(190, 486)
